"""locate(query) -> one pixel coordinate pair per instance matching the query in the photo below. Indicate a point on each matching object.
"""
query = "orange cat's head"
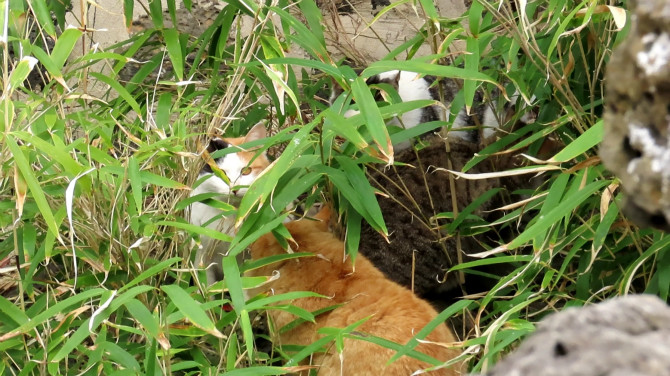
(242, 167)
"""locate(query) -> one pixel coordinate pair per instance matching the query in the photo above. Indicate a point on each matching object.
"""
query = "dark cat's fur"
(415, 194)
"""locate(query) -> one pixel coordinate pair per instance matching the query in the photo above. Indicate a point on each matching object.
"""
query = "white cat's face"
(238, 171)
(241, 167)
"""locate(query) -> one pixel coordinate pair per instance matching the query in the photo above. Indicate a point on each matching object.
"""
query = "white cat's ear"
(396, 81)
(257, 132)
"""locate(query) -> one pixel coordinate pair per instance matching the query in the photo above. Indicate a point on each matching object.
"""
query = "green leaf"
(372, 118)
(140, 312)
(587, 140)
(255, 264)
(605, 224)
(150, 272)
(64, 46)
(353, 234)
(41, 11)
(164, 111)
(564, 24)
(156, 12)
(128, 6)
(303, 36)
(191, 309)
(439, 320)
(364, 190)
(21, 72)
(63, 306)
(314, 20)
(474, 205)
(33, 185)
(208, 199)
(289, 296)
(566, 206)
(428, 6)
(428, 69)
(12, 311)
(116, 86)
(174, 51)
(265, 185)
(148, 178)
(121, 357)
(135, 182)
(258, 371)
(49, 65)
(247, 332)
(475, 18)
(231, 275)
(471, 65)
(198, 230)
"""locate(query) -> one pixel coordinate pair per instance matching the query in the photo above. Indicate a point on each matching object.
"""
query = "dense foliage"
(96, 271)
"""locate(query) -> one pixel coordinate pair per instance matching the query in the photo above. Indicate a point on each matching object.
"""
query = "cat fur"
(392, 311)
(485, 115)
(235, 166)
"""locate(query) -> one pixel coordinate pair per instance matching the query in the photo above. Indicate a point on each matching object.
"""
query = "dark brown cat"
(393, 312)
(414, 196)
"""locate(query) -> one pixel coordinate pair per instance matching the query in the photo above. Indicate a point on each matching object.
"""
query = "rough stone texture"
(623, 336)
(635, 145)
(348, 33)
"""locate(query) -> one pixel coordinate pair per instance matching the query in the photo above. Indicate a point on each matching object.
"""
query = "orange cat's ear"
(324, 216)
(257, 132)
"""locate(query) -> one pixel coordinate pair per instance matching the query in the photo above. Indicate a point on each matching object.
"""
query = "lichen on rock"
(623, 336)
(636, 144)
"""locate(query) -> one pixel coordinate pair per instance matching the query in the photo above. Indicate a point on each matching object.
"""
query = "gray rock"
(623, 336)
(635, 143)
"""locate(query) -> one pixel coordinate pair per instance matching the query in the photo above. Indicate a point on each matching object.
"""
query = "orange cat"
(394, 312)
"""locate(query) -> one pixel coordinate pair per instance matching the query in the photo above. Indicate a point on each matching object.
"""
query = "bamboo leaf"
(156, 11)
(439, 320)
(556, 213)
(21, 72)
(150, 272)
(64, 46)
(140, 312)
(191, 309)
(174, 52)
(581, 144)
(198, 230)
(32, 183)
(13, 312)
(372, 118)
(428, 69)
(116, 86)
(135, 183)
(61, 307)
(128, 6)
(41, 11)
(364, 190)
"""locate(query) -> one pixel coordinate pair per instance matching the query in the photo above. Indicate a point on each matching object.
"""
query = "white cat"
(242, 168)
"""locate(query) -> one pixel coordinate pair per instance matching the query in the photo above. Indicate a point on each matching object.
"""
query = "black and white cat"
(412, 86)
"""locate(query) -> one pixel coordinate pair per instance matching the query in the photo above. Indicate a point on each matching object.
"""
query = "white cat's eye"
(246, 171)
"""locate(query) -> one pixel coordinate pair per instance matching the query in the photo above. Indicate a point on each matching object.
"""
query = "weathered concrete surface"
(348, 34)
(620, 337)
(636, 144)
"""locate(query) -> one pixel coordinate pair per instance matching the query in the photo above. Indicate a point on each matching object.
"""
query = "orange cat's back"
(392, 311)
